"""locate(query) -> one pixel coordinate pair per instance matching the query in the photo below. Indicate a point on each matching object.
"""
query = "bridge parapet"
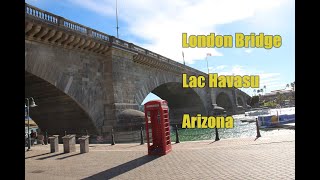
(105, 40)
(34, 11)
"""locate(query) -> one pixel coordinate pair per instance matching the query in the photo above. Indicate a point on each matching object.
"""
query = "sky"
(158, 26)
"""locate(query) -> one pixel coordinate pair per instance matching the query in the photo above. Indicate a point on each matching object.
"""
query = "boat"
(251, 115)
(257, 112)
(277, 120)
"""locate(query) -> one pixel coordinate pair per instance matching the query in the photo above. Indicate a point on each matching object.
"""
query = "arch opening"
(224, 101)
(180, 101)
(56, 112)
(240, 102)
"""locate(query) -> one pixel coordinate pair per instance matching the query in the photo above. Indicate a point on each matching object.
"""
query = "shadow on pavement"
(212, 142)
(123, 168)
(50, 156)
(37, 155)
(133, 146)
(69, 156)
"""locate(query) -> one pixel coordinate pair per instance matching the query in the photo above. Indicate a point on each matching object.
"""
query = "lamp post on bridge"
(33, 104)
(208, 54)
(117, 18)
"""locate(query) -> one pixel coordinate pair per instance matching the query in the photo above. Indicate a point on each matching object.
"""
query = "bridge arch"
(180, 100)
(223, 100)
(240, 101)
(56, 112)
(74, 75)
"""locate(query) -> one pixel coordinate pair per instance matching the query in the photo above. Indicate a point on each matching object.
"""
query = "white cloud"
(218, 68)
(161, 23)
(221, 67)
(276, 20)
(267, 78)
(248, 51)
(235, 70)
(277, 86)
(270, 80)
(269, 75)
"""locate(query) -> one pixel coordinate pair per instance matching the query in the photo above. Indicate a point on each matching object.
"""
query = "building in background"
(284, 97)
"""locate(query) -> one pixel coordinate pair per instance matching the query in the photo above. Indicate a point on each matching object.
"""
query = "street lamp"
(208, 54)
(32, 104)
(218, 111)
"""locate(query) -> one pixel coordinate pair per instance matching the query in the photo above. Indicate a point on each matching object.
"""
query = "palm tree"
(287, 85)
(293, 91)
(254, 92)
(280, 98)
(265, 88)
(292, 85)
(261, 90)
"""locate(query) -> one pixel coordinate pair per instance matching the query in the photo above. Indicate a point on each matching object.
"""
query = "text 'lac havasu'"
(222, 81)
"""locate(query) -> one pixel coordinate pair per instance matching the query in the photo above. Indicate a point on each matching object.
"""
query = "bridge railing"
(39, 13)
(100, 35)
(139, 49)
(60, 21)
(121, 42)
(73, 25)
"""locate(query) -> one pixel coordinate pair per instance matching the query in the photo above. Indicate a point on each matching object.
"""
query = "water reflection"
(244, 126)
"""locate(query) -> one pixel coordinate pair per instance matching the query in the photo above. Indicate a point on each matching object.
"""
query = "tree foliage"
(280, 98)
(254, 100)
(270, 104)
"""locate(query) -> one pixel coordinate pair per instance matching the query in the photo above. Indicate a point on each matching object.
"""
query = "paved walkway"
(271, 157)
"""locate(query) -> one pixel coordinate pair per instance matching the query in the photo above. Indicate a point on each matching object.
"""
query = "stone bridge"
(82, 79)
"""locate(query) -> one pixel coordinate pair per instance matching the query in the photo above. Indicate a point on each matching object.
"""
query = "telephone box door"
(157, 127)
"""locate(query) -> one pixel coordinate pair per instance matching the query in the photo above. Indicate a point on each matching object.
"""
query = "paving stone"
(240, 158)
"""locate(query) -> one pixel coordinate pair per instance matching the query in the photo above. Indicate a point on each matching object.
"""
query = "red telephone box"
(157, 119)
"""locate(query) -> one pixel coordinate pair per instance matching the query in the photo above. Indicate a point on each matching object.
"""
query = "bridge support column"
(111, 113)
